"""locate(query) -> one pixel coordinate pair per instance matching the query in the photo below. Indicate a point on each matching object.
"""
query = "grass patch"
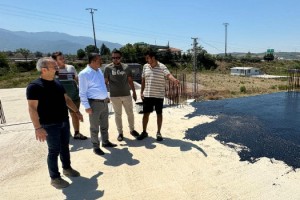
(17, 80)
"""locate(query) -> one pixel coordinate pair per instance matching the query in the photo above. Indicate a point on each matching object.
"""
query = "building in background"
(244, 71)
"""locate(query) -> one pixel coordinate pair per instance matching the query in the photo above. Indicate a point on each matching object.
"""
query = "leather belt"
(98, 100)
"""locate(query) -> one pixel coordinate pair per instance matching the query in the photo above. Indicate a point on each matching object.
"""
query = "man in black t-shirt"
(47, 103)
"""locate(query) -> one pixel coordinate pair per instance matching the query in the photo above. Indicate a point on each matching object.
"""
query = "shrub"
(26, 66)
(3, 71)
(243, 89)
(3, 61)
(282, 87)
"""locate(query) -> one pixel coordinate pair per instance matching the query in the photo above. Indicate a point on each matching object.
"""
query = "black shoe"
(98, 152)
(79, 136)
(120, 137)
(108, 144)
(143, 135)
(134, 133)
(159, 137)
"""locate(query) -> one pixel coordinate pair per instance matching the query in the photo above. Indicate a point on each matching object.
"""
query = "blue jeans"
(58, 145)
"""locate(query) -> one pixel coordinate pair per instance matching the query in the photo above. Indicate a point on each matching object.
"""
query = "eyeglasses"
(116, 58)
(52, 67)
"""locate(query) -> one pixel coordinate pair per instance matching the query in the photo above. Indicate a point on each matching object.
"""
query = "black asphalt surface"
(267, 125)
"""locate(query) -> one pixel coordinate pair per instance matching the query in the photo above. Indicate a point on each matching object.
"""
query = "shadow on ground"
(265, 125)
(78, 145)
(83, 188)
(150, 143)
(118, 157)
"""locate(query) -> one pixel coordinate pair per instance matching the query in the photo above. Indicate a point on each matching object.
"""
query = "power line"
(60, 19)
(56, 19)
(210, 45)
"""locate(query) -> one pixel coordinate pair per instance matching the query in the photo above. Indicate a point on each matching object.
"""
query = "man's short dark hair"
(56, 54)
(92, 57)
(117, 51)
(150, 52)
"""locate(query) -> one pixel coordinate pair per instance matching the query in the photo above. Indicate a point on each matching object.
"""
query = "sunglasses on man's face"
(116, 58)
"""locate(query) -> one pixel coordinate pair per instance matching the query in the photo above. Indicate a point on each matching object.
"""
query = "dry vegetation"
(218, 86)
(211, 85)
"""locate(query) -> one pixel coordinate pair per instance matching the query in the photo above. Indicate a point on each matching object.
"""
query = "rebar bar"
(176, 94)
(293, 79)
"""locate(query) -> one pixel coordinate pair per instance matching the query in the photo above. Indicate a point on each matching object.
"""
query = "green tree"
(166, 57)
(269, 57)
(9, 53)
(128, 53)
(80, 54)
(204, 59)
(177, 57)
(24, 52)
(3, 61)
(104, 50)
(38, 54)
(91, 49)
(140, 51)
(4, 66)
(186, 58)
(248, 55)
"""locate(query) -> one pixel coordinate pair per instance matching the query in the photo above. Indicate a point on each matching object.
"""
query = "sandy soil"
(173, 169)
(219, 86)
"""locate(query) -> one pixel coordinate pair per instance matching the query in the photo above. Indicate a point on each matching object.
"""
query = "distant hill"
(46, 42)
(279, 55)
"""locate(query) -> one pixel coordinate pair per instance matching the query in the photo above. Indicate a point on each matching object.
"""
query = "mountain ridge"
(48, 41)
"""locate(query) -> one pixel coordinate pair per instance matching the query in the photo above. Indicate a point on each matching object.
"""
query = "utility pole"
(225, 24)
(195, 65)
(92, 13)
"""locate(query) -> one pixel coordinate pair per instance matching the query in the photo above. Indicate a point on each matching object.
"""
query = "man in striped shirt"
(153, 91)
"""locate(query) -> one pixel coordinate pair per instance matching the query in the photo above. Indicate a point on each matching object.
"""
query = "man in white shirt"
(94, 98)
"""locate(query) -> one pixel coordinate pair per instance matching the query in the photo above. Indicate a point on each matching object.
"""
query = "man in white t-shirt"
(68, 77)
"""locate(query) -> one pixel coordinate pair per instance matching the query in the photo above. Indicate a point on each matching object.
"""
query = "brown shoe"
(71, 172)
(59, 183)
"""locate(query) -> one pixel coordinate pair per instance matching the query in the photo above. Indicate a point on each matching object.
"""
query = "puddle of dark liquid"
(267, 125)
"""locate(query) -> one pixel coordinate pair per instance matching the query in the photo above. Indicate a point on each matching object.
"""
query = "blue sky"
(254, 25)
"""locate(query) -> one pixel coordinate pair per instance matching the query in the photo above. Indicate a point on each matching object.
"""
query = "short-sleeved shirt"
(66, 77)
(117, 76)
(52, 107)
(69, 69)
(155, 80)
